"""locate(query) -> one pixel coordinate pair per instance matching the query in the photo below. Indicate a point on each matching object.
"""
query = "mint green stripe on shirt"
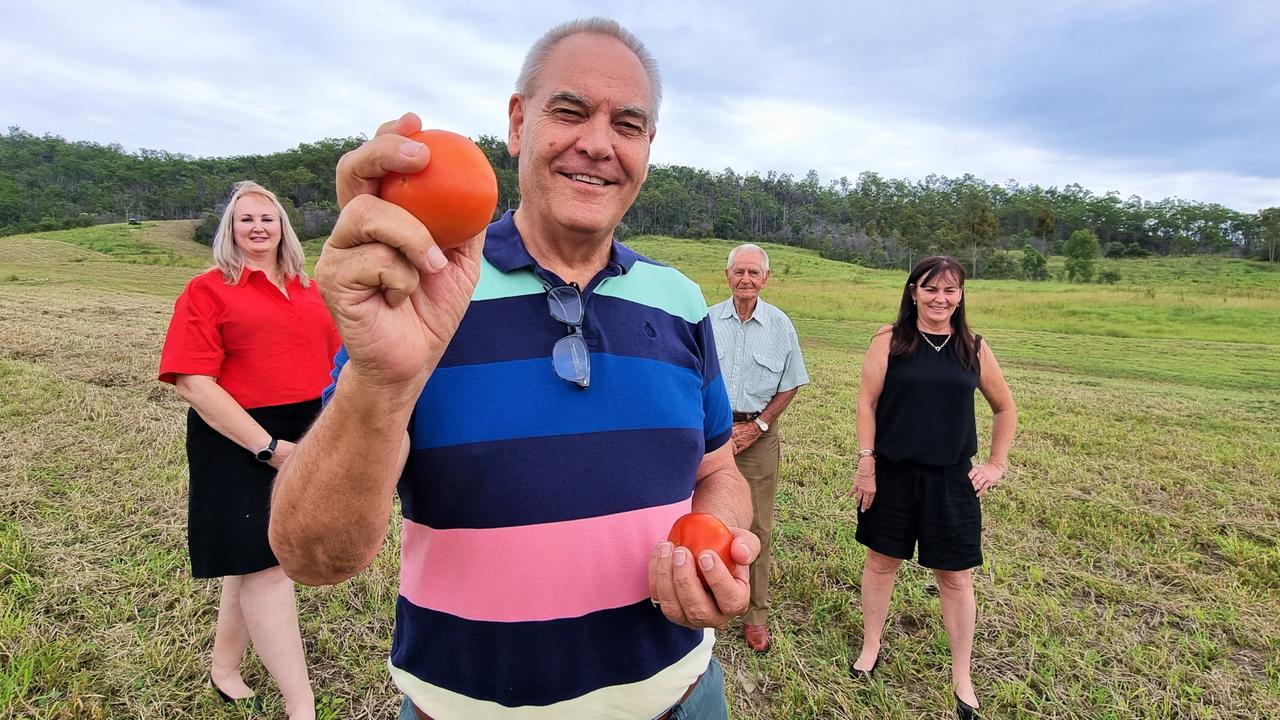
(495, 284)
(659, 287)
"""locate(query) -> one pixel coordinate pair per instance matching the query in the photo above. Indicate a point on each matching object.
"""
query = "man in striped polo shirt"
(546, 402)
(761, 361)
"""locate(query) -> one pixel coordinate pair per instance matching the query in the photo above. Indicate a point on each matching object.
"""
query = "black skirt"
(230, 492)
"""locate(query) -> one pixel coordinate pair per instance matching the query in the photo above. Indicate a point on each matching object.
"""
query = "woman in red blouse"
(251, 347)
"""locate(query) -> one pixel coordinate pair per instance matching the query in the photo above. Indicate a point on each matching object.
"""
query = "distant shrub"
(1125, 250)
(1034, 264)
(1109, 277)
(1081, 250)
(206, 229)
(1001, 266)
(295, 217)
(85, 220)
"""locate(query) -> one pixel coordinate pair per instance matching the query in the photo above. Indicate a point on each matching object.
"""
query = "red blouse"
(262, 347)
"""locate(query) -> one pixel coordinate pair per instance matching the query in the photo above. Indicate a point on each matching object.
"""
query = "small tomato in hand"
(454, 196)
(701, 532)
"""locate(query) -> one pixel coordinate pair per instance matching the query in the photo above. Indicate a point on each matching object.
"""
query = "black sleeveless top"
(925, 411)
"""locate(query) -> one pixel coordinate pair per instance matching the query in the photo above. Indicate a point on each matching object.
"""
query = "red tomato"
(454, 196)
(701, 532)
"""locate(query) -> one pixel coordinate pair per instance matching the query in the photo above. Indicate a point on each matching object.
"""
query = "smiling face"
(582, 137)
(937, 298)
(747, 276)
(256, 228)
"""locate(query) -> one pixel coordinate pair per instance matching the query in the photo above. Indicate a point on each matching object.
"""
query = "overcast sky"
(1162, 98)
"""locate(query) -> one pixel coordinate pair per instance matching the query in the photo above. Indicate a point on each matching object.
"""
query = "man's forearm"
(777, 405)
(722, 491)
(332, 498)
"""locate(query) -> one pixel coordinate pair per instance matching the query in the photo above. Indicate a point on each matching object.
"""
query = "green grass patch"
(119, 243)
(1133, 556)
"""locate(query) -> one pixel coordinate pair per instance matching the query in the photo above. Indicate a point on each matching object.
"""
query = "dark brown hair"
(906, 334)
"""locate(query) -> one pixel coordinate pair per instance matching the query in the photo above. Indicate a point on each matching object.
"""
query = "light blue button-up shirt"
(759, 358)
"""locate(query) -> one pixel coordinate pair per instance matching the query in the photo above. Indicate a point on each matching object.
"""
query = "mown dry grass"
(100, 616)
(1133, 555)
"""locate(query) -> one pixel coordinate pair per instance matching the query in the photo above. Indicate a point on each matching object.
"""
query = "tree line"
(47, 182)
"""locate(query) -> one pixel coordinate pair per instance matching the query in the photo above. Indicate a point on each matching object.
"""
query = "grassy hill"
(1133, 554)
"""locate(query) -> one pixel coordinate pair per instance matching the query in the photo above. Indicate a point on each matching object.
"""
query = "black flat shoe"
(253, 701)
(864, 675)
(965, 711)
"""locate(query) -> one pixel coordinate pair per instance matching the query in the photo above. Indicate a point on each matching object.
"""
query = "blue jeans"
(706, 702)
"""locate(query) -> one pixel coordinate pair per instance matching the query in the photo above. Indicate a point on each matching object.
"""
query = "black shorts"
(935, 506)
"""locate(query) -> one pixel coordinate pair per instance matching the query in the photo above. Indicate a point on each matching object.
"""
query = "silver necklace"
(936, 348)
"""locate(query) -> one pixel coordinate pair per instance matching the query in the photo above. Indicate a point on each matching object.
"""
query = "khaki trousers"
(759, 465)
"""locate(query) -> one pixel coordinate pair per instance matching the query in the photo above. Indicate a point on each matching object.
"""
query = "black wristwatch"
(268, 452)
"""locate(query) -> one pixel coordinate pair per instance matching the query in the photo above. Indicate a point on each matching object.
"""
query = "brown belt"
(745, 417)
(664, 716)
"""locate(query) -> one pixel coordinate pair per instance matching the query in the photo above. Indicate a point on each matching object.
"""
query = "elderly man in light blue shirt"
(762, 368)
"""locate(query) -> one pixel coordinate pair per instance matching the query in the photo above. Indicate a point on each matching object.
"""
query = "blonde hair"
(227, 257)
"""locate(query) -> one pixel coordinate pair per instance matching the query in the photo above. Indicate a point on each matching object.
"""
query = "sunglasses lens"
(565, 304)
(571, 359)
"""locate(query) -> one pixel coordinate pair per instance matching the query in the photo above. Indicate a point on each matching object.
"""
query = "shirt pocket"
(763, 376)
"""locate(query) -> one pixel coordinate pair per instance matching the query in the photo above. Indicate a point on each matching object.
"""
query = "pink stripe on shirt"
(534, 572)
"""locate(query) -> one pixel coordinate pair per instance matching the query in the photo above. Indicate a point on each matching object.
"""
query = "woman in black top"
(915, 483)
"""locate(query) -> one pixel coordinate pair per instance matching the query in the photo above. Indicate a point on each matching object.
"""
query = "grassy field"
(1133, 554)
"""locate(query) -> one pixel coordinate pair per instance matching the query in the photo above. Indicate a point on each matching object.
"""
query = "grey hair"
(227, 256)
(748, 247)
(536, 61)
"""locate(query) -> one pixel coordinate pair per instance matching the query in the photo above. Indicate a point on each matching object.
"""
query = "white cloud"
(762, 134)
(904, 91)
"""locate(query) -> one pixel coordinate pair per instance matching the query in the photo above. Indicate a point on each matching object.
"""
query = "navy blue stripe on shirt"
(715, 412)
(525, 398)
(521, 663)
(485, 346)
(548, 479)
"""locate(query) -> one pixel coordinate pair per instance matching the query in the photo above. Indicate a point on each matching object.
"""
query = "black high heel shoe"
(965, 711)
(864, 675)
(253, 701)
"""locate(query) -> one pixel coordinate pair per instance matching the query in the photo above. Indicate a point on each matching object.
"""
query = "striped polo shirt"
(531, 506)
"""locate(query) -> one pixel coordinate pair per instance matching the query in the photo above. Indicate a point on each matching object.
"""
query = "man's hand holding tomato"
(675, 583)
(397, 298)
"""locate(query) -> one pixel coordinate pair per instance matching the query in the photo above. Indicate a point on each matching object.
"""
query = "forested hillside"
(47, 183)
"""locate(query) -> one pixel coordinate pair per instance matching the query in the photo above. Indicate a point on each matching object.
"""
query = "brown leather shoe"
(757, 637)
